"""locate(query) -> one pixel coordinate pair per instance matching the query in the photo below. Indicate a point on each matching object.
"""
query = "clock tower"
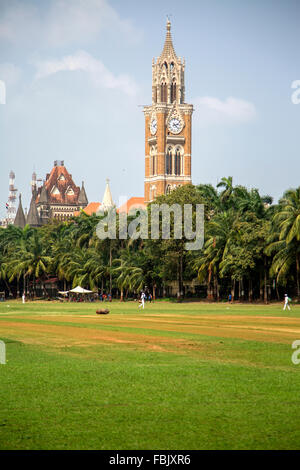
(168, 123)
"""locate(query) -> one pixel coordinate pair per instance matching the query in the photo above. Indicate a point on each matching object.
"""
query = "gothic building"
(58, 198)
(167, 126)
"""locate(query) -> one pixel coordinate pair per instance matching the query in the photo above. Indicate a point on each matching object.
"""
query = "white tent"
(81, 290)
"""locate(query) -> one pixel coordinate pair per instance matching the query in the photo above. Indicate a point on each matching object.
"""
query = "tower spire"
(107, 201)
(20, 220)
(168, 50)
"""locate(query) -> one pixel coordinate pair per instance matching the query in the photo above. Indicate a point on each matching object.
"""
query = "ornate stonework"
(59, 197)
(167, 126)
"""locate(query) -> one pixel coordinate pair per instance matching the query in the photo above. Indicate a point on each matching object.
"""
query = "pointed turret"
(168, 74)
(168, 50)
(43, 196)
(33, 217)
(82, 199)
(20, 220)
(107, 202)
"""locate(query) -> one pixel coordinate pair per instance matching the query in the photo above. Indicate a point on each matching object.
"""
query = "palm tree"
(286, 224)
(227, 184)
(31, 258)
(219, 235)
(129, 276)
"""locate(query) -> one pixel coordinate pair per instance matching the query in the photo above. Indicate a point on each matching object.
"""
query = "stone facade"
(168, 126)
(59, 198)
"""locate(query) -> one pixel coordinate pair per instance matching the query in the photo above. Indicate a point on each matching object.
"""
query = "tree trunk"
(44, 289)
(242, 290)
(8, 288)
(265, 282)
(34, 290)
(260, 288)
(277, 292)
(122, 295)
(233, 290)
(153, 292)
(216, 288)
(209, 288)
(180, 278)
(297, 274)
(110, 264)
(250, 293)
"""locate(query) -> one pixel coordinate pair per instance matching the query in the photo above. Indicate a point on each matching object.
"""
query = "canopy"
(65, 292)
(81, 290)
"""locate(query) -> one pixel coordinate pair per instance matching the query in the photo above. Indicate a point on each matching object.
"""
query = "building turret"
(107, 202)
(82, 198)
(33, 217)
(20, 220)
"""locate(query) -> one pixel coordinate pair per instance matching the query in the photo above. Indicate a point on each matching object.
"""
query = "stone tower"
(167, 126)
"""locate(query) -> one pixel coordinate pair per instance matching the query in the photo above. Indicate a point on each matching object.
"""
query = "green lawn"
(174, 376)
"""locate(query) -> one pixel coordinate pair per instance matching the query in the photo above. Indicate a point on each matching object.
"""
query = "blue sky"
(78, 71)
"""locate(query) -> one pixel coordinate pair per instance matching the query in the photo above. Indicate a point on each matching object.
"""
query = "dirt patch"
(264, 329)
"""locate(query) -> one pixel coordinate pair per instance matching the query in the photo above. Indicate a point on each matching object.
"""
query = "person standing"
(23, 298)
(142, 304)
(286, 302)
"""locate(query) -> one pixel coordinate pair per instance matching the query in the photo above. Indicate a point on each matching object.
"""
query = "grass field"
(174, 376)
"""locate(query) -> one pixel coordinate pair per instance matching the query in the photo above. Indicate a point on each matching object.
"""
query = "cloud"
(96, 70)
(211, 110)
(17, 21)
(58, 23)
(10, 73)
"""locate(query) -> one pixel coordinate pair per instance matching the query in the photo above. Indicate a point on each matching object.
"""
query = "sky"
(77, 73)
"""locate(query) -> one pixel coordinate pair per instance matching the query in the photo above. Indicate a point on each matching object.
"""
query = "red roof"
(60, 187)
(133, 203)
(91, 208)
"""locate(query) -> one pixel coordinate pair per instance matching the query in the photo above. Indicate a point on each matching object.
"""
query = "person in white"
(142, 300)
(23, 298)
(286, 302)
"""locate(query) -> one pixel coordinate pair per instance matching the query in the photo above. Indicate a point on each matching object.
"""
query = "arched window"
(153, 160)
(168, 189)
(163, 92)
(177, 162)
(169, 161)
(173, 91)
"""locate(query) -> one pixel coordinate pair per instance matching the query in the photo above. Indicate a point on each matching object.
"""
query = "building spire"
(20, 220)
(107, 201)
(168, 50)
(33, 217)
(82, 199)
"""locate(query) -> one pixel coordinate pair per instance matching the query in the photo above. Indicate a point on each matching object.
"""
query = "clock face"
(153, 126)
(175, 126)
